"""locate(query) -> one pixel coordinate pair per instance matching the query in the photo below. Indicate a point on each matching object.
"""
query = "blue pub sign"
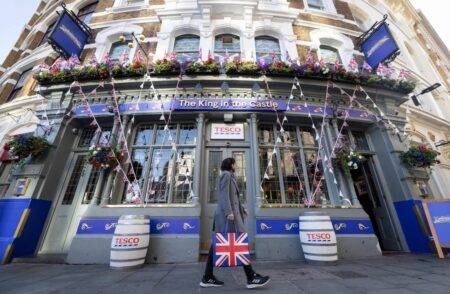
(379, 46)
(69, 35)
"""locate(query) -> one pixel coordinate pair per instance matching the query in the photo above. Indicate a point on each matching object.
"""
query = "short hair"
(227, 164)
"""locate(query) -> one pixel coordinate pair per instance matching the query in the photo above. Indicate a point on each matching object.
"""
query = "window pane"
(329, 54)
(47, 33)
(270, 185)
(144, 135)
(318, 4)
(227, 43)
(317, 185)
(187, 43)
(265, 134)
(292, 176)
(183, 175)
(91, 185)
(267, 48)
(289, 136)
(118, 48)
(85, 13)
(188, 134)
(215, 160)
(308, 139)
(73, 181)
(165, 137)
(87, 138)
(105, 137)
(162, 168)
(240, 174)
(140, 159)
(360, 141)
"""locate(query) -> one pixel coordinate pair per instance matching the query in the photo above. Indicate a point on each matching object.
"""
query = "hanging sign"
(221, 131)
(70, 35)
(438, 218)
(378, 45)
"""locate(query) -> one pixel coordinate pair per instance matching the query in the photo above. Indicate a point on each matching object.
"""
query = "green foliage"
(419, 156)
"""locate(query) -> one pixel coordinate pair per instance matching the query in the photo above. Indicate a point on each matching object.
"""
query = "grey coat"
(228, 202)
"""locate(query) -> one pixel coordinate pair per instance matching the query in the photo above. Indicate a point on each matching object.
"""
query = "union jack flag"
(231, 249)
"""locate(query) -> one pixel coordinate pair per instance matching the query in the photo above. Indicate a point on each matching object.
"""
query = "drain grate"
(348, 274)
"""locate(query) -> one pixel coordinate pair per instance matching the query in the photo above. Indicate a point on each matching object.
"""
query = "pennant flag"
(266, 176)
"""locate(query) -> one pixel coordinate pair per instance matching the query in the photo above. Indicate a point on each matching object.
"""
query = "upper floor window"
(227, 44)
(47, 33)
(20, 84)
(187, 47)
(267, 48)
(329, 54)
(119, 48)
(316, 4)
(85, 14)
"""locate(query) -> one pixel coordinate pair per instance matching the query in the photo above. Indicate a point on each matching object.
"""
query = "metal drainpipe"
(198, 156)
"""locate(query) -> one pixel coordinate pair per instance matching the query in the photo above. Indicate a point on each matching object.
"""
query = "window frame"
(325, 47)
(82, 14)
(20, 84)
(267, 37)
(187, 52)
(232, 53)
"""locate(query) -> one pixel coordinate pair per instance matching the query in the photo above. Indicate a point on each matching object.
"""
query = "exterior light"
(122, 38)
(131, 45)
(142, 37)
(426, 90)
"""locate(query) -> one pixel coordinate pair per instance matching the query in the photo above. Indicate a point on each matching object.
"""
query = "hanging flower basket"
(104, 157)
(346, 159)
(420, 156)
(22, 147)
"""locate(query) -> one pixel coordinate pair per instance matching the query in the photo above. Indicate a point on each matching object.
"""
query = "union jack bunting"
(231, 249)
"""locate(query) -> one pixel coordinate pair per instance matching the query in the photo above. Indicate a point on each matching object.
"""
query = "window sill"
(127, 8)
(330, 206)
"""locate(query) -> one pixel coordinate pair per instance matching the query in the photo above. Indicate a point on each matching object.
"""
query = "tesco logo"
(319, 236)
(227, 130)
(127, 241)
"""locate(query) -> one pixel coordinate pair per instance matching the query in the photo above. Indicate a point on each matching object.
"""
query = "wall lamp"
(441, 143)
(424, 91)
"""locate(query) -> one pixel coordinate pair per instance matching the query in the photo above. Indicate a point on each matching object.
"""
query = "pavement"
(388, 274)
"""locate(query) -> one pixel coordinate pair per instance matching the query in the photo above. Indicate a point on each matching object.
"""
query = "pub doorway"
(370, 196)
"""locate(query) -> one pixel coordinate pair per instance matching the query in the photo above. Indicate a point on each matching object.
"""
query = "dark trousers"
(209, 270)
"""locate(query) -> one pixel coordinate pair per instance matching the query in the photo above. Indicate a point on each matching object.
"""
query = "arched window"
(227, 44)
(118, 48)
(267, 48)
(329, 54)
(187, 47)
(85, 13)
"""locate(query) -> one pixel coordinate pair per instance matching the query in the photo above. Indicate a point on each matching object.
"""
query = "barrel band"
(133, 224)
(132, 234)
(319, 244)
(118, 249)
(320, 254)
(316, 230)
(127, 260)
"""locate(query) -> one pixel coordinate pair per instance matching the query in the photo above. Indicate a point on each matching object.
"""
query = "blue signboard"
(158, 226)
(68, 35)
(379, 46)
(220, 104)
(440, 216)
(291, 226)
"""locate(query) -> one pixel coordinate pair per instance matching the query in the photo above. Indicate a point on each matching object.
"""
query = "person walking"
(229, 214)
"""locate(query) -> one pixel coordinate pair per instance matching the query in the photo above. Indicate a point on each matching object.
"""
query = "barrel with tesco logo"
(130, 242)
(317, 237)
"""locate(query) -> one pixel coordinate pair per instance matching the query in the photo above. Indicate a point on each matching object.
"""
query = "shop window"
(47, 34)
(360, 141)
(227, 44)
(163, 160)
(23, 79)
(88, 137)
(296, 152)
(91, 186)
(187, 47)
(85, 14)
(329, 54)
(118, 48)
(268, 49)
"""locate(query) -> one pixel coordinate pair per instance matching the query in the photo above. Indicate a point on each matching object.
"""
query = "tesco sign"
(221, 131)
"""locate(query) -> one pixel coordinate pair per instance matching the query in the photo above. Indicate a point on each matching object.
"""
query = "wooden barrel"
(130, 241)
(317, 237)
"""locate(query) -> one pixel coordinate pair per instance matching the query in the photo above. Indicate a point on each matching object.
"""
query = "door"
(75, 195)
(211, 170)
(370, 196)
